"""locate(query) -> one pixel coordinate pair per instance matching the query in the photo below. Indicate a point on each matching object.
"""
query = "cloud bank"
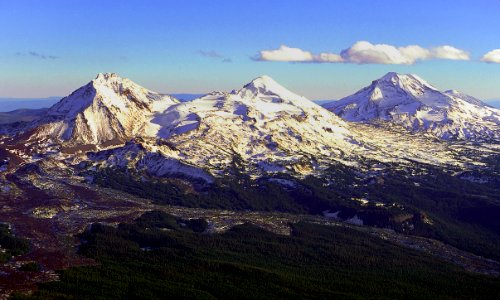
(492, 57)
(364, 52)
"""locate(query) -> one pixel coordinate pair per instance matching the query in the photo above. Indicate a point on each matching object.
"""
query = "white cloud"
(366, 53)
(449, 52)
(492, 57)
(328, 57)
(363, 52)
(414, 53)
(288, 54)
(284, 53)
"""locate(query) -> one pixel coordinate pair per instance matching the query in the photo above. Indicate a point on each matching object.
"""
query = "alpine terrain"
(409, 101)
(112, 151)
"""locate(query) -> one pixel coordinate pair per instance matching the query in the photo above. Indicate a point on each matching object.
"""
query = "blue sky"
(50, 48)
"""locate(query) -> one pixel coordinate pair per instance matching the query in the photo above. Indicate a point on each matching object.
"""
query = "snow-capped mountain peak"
(406, 92)
(404, 79)
(109, 108)
(104, 77)
(263, 123)
(264, 85)
(410, 101)
(261, 100)
(411, 83)
(266, 89)
(114, 82)
(110, 90)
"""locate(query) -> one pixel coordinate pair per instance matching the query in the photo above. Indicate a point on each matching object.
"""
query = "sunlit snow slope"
(262, 123)
(109, 109)
(410, 101)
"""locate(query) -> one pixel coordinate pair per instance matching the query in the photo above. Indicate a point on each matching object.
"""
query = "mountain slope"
(109, 109)
(263, 124)
(465, 97)
(410, 101)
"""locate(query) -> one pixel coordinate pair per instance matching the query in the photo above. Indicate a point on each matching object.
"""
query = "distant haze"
(10, 104)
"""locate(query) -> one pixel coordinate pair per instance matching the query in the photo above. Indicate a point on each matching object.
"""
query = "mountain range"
(263, 123)
(265, 126)
(412, 162)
